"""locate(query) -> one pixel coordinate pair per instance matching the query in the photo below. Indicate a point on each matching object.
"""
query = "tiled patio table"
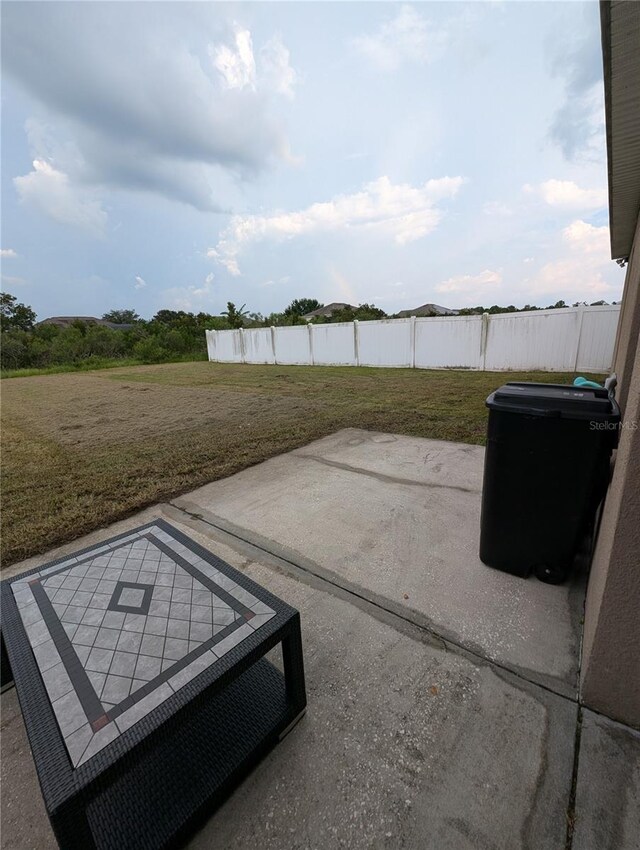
(145, 694)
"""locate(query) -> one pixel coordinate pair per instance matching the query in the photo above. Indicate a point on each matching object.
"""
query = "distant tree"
(149, 350)
(175, 341)
(347, 314)
(103, 342)
(13, 314)
(302, 306)
(599, 304)
(46, 332)
(234, 315)
(557, 306)
(81, 326)
(169, 317)
(366, 312)
(13, 349)
(68, 347)
(208, 322)
(122, 317)
(363, 313)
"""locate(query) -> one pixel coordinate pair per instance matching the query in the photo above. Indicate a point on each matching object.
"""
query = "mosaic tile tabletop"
(119, 629)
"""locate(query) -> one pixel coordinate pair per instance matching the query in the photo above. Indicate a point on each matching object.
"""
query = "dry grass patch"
(85, 411)
(82, 450)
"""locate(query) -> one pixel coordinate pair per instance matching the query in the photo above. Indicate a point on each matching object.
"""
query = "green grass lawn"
(84, 449)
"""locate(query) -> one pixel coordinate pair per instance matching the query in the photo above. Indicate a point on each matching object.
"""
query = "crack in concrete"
(528, 823)
(313, 575)
(571, 805)
(380, 476)
(395, 618)
(374, 603)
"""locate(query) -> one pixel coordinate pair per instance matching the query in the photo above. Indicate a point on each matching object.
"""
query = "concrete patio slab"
(411, 739)
(608, 787)
(397, 519)
(404, 744)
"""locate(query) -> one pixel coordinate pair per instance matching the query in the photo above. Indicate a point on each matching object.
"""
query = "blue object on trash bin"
(584, 382)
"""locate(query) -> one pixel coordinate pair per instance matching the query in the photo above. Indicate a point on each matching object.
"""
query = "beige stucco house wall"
(610, 670)
(611, 645)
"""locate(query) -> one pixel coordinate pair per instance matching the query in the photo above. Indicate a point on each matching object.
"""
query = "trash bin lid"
(567, 401)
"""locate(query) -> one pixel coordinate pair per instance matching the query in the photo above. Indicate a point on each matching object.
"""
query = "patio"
(442, 695)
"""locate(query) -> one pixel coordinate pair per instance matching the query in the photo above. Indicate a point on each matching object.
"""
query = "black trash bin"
(546, 471)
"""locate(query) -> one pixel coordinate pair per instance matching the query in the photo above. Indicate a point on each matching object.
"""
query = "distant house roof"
(67, 321)
(427, 310)
(620, 24)
(328, 310)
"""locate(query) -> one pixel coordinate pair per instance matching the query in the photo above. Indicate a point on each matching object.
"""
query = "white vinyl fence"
(575, 339)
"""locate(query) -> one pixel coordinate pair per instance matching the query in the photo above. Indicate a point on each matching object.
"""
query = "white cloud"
(472, 283)
(407, 37)
(581, 271)
(13, 280)
(276, 74)
(140, 282)
(528, 260)
(51, 192)
(497, 208)
(190, 298)
(567, 194)
(398, 211)
(271, 282)
(225, 254)
(568, 277)
(237, 64)
(5, 253)
(587, 238)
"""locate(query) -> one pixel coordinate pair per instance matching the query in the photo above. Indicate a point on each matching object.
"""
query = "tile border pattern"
(64, 674)
(116, 605)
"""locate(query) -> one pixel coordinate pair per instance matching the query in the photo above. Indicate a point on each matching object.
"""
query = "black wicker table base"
(139, 666)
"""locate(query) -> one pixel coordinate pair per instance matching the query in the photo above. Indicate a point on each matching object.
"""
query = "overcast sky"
(185, 154)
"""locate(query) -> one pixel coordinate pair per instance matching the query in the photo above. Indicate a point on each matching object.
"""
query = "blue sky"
(180, 155)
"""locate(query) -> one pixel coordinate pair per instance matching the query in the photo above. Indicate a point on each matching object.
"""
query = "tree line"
(470, 311)
(169, 336)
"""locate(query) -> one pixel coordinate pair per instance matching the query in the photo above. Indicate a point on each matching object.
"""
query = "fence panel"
(385, 343)
(292, 345)
(597, 339)
(229, 347)
(212, 347)
(542, 339)
(449, 342)
(333, 345)
(258, 347)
